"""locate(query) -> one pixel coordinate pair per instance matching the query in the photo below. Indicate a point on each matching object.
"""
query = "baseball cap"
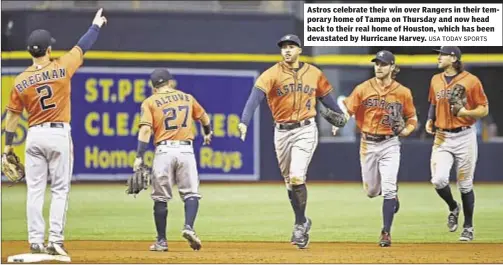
(160, 76)
(450, 50)
(291, 38)
(40, 39)
(385, 57)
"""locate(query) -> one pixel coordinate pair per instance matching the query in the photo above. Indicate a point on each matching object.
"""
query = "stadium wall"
(247, 43)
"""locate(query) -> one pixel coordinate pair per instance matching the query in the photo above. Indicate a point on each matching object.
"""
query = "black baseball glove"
(139, 181)
(397, 124)
(335, 118)
(457, 100)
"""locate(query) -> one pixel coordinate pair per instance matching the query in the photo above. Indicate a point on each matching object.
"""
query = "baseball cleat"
(189, 234)
(159, 245)
(37, 248)
(385, 240)
(452, 219)
(56, 249)
(301, 234)
(467, 234)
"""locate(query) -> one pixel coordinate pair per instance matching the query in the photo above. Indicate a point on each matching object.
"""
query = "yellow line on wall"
(334, 59)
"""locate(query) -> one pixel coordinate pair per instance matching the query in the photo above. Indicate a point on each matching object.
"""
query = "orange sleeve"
(146, 114)
(72, 60)
(354, 101)
(197, 109)
(409, 110)
(324, 87)
(15, 103)
(265, 81)
(478, 95)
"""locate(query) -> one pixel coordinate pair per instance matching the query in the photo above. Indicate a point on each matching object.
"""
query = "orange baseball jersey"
(291, 94)
(440, 92)
(171, 115)
(45, 92)
(372, 105)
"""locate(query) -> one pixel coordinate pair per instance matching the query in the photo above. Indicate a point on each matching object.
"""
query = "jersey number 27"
(172, 114)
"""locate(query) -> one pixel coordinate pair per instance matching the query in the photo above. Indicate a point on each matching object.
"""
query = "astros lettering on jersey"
(440, 92)
(171, 115)
(372, 105)
(292, 95)
(45, 92)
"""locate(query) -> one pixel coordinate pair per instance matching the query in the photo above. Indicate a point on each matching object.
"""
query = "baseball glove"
(12, 167)
(397, 124)
(335, 118)
(457, 100)
(139, 181)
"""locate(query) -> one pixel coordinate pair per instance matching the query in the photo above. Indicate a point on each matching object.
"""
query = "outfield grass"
(261, 212)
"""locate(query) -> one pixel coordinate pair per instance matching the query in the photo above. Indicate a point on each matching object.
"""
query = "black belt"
(174, 142)
(52, 125)
(291, 126)
(376, 137)
(455, 130)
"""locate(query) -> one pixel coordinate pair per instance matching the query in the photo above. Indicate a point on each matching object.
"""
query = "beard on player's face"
(381, 70)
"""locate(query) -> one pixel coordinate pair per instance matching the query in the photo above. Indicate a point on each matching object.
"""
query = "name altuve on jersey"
(171, 98)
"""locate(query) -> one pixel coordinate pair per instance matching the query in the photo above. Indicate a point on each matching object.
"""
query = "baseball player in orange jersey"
(455, 136)
(169, 114)
(292, 89)
(43, 89)
(376, 103)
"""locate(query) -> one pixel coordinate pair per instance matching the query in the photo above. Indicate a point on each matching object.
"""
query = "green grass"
(261, 212)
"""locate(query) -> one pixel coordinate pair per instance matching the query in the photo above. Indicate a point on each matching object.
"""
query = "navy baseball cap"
(40, 39)
(385, 57)
(450, 50)
(291, 38)
(160, 76)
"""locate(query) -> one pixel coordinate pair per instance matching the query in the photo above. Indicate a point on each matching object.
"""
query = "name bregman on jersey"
(281, 91)
(41, 77)
(171, 98)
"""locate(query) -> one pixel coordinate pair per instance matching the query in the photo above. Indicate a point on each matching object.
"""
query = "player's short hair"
(395, 72)
(458, 66)
(171, 82)
(37, 53)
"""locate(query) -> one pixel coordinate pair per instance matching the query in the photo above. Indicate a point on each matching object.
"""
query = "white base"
(29, 258)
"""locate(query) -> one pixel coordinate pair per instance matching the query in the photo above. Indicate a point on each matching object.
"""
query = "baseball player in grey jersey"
(49, 147)
(457, 100)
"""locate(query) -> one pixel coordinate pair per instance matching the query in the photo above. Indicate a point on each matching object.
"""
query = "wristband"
(142, 148)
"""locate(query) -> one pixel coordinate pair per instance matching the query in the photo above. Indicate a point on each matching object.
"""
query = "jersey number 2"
(44, 96)
(171, 115)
